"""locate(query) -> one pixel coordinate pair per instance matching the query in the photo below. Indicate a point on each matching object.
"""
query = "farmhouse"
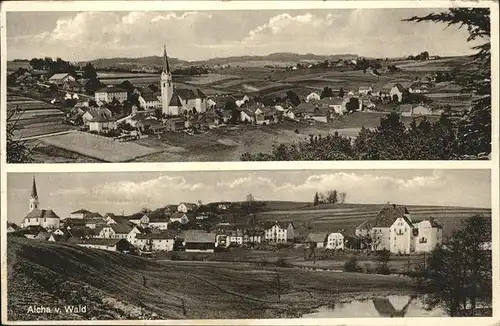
(109, 93)
(279, 232)
(45, 218)
(247, 116)
(94, 223)
(318, 240)
(102, 124)
(115, 231)
(429, 235)
(177, 101)
(393, 91)
(83, 214)
(381, 231)
(132, 235)
(419, 87)
(335, 241)
(60, 78)
(163, 241)
(150, 101)
(139, 219)
(405, 110)
(94, 113)
(199, 241)
(402, 235)
(422, 110)
(334, 103)
(105, 244)
(158, 222)
(364, 229)
(179, 217)
(365, 90)
(12, 227)
(186, 207)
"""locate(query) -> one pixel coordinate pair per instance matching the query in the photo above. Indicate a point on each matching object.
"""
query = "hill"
(110, 285)
(333, 217)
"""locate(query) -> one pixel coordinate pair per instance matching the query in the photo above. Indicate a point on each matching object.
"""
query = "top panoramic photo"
(248, 85)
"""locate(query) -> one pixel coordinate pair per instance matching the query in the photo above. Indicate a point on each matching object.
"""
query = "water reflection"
(390, 306)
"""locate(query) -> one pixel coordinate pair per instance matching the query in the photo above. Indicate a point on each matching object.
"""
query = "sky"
(129, 192)
(199, 35)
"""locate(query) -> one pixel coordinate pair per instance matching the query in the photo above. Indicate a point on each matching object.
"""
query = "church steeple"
(34, 196)
(166, 67)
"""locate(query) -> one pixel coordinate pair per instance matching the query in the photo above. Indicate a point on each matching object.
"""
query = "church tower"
(34, 197)
(166, 84)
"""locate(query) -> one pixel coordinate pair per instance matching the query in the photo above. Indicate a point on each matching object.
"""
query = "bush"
(385, 270)
(175, 256)
(352, 265)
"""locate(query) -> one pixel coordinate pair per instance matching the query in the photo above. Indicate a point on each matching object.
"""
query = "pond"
(388, 306)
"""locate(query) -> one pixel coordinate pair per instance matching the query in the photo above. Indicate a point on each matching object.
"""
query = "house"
(381, 230)
(45, 218)
(132, 235)
(94, 223)
(199, 241)
(12, 227)
(365, 90)
(102, 124)
(150, 101)
(335, 241)
(279, 232)
(59, 237)
(186, 207)
(115, 231)
(159, 222)
(73, 86)
(364, 229)
(121, 245)
(222, 240)
(32, 231)
(336, 104)
(313, 97)
(396, 93)
(247, 116)
(252, 236)
(366, 103)
(223, 206)
(422, 110)
(109, 93)
(241, 100)
(236, 237)
(429, 235)
(419, 87)
(71, 222)
(60, 78)
(318, 240)
(179, 217)
(163, 241)
(42, 235)
(289, 114)
(402, 236)
(94, 113)
(81, 214)
(139, 219)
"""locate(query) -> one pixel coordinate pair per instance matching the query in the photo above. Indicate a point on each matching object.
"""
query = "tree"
(474, 131)
(383, 258)
(316, 199)
(341, 92)
(342, 197)
(293, 98)
(327, 92)
(353, 104)
(332, 197)
(89, 72)
(250, 206)
(458, 276)
(321, 198)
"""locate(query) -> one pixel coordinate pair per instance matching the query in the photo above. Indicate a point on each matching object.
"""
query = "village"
(191, 227)
(125, 112)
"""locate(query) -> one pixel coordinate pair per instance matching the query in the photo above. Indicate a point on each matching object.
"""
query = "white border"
(493, 164)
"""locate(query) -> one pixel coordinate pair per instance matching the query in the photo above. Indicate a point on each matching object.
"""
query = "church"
(45, 218)
(179, 101)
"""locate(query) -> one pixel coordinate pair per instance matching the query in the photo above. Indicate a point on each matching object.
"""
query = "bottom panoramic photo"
(248, 244)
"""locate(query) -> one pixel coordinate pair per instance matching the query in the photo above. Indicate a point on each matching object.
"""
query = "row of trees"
(422, 56)
(52, 66)
(331, 197)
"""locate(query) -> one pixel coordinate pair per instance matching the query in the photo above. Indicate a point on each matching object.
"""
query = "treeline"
(53, 66)
(445, 139)
(331, 197)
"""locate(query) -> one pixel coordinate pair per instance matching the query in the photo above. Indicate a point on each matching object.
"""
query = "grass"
(101, 148)
(111, 286)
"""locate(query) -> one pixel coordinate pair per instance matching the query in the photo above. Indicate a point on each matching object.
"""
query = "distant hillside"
(158, 60)
(110, 285)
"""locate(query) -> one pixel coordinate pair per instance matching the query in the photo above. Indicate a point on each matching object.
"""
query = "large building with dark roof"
(45, 218)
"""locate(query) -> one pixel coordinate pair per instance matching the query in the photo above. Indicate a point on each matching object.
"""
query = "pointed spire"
(34, 193)
(166, 67)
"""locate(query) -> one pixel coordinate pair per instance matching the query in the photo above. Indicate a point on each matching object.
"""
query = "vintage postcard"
(249, 162)
(249, 244)
(88, 86)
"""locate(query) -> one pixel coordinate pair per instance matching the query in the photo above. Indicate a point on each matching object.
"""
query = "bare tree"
(342, 197)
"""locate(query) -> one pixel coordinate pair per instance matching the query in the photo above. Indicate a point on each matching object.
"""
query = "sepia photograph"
(249, 244)
(248, 85)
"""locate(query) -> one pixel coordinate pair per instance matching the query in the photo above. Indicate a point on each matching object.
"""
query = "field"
(97, 147)
(329, 218)
(111, 285)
